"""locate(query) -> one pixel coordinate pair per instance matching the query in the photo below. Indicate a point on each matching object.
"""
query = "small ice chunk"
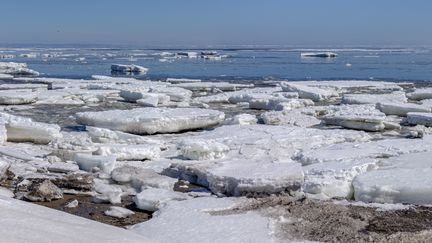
(308, 92)
(420, 118)
(17, 97)
(153, 198)
(396, 97)
(119, 212)
(72, 204)
(141, 178)
(401, 109)
(242, 119)
(130, 152)
(87, 162)
(289, 118)
(196, 149)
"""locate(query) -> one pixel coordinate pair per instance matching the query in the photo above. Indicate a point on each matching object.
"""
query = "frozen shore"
(214, 161)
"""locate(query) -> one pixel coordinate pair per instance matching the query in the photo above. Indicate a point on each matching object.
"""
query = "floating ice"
(121, 68)
(87, 162)
(119, 212)
(14, 68)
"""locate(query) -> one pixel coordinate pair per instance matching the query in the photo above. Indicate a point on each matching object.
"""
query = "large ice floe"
(122, 68)
(26, 222)
(258, 160)
(152, 120)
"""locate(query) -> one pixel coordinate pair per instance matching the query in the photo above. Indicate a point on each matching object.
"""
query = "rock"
(119, 212)
(44, 192)
(153, 198)
(152, 120)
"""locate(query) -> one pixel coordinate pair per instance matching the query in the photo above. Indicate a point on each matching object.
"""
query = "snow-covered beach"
(181, 160)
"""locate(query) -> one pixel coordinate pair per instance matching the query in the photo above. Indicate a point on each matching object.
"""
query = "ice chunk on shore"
(421, 94)
(153, 198)
(420, 118)
(87, 162)
(20, 129)
(360, 117)
(212, 86)
(17, 97)
(130, 152)
(119, 212)
(180, 221)
(141, 178)
(203, 149)
(43, 224)
(182, 80)
(14, 68)
(308, 92)
(289, 118)
(152, 120)
(122, 68)
(396, 97)
(242, 119)
(401, 109)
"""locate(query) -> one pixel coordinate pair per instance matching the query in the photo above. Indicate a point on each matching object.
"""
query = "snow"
(87, 162)
(119, 212)
(17, 97)
(153, 198)
(401, 109)
(121, 68)
(43, 224)
(195, 149)
(403, 179)
(396, 97)
(152, 120)
(129, 152)
(199, 220)
(420, 118)
(308, 92)
(20, 129)
(4, 192)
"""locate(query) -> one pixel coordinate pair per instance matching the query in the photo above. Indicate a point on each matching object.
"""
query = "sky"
(216, 22)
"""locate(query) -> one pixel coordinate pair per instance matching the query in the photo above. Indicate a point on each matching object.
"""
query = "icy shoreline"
(191, 151)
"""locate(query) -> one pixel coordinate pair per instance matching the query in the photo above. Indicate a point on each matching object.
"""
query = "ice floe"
(152, 120)
(121, 68)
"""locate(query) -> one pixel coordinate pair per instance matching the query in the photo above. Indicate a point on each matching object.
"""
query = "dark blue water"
(400, 64)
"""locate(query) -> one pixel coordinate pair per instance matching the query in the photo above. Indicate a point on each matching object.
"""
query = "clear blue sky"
(216, 22)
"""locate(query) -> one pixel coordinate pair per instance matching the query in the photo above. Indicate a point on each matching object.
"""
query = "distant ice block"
(309, 92)
(182, 80)
(396, 97)
(401, 109)
(318, 54)
(420, 118)
(122, 68)
(17, 97)
(14, 68)
(421, 94)
(152, 120)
